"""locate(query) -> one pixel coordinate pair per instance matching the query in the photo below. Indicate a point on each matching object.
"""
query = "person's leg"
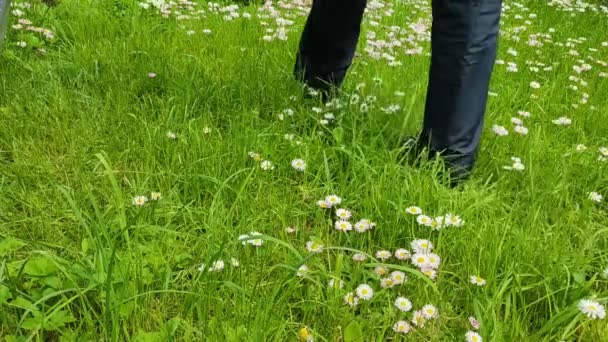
(328, 42)
(464, 38)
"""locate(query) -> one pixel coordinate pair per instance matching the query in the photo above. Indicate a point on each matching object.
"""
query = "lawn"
(164, 178)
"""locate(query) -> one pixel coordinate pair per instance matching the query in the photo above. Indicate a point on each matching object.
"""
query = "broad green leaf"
(5, 294)
(338, 133)
(9, 245)
(58, 320)
(24, 304)
(33, 322)
(353, 333)
(40, 267)
(84, 245)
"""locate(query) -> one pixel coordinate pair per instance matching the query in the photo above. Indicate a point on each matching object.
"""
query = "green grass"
(84, 131)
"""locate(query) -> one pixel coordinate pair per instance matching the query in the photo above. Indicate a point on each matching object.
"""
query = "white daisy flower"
(474, 323)
(562, 121)
(155, 196)
(521, 130)
(333, 284)
(381, 271)
(343, 214)
(314, 247)
(364, 292)
(243, 238)
(398, 277)
(477, 280)
(343, 226)
(323, 204)
(413, 210)
(472, 336)
(387, 283)
(302, 271)
(523, 113)
(255, 242)
(351, 299)
(298, 164)
(359, 257)
(383, 255)
(217, 266)
(534, 85)
(500, 130)
(453, 220)
(401, 327)
(439, 222)
(605, 273)
(255, 156)
(234, 262)
(418, 319)
(517, 121)
(266, 165)
(171, 135)
(140, 200)
(424, 220)
(421, 260)
(402, 254)
(333, 200)
(595, 197)
(429, 272)
(603, 151)
(581, 148)
(362, 226)
(430, 311)
(422, 246)
(403, 304)
(434, 260)
(592, 309)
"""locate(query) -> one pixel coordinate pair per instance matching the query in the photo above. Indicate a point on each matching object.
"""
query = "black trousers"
(463, 49)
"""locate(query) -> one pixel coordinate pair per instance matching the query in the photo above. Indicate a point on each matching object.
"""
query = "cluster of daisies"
(603, 152)
(218, 265)
(20, 10)
(516, 165)
(364, 292)
(518, 123)
(435, 223)
(265, 165)
(141, 200)
(343, 216)
(253, 238)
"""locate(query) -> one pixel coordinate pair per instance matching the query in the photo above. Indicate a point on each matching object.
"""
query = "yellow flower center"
(421, 260)
(474, 338)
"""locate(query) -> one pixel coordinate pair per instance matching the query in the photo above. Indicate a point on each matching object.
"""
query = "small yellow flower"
(304, 335)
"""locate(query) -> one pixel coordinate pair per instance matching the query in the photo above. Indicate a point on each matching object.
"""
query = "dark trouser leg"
(328, 42)
(464, 37)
